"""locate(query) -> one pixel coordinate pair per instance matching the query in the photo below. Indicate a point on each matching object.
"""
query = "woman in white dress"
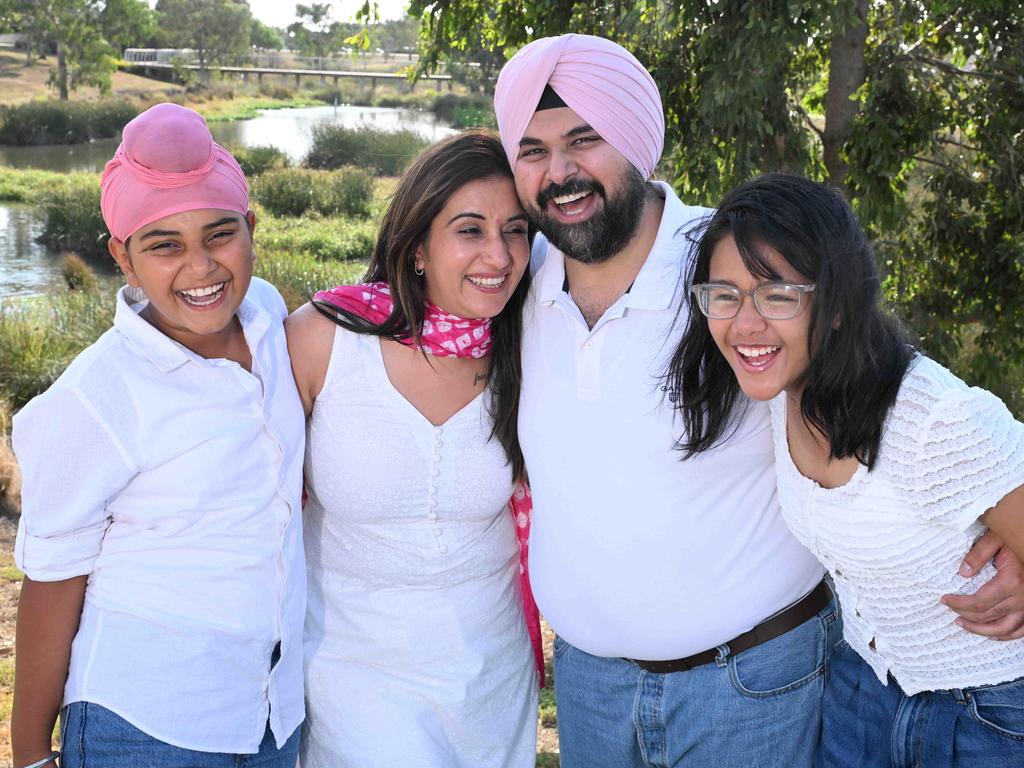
(417, 653)
(888, 468)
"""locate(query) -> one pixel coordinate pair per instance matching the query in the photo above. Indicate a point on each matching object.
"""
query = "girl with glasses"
(889, 467)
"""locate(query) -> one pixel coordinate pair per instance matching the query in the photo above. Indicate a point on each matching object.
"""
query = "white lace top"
(893, 538)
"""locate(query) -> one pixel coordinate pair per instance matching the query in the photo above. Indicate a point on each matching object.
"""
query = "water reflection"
(290, 130)
(26, 266)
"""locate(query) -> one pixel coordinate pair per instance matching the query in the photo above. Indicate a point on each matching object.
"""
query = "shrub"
(446, 105)
(296, 191)
(469, 116)
(77, 275)
(385, 152)
(335, 239)
(64, 122)
(73, 218)
(256, 160)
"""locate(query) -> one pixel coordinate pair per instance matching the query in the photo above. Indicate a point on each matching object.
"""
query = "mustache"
(572, 187)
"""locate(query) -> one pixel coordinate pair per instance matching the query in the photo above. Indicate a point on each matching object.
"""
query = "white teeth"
(756, 351)
(487, 282)
(566, 199)
(198, 293)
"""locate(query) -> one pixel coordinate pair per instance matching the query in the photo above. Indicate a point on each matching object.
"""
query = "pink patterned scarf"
(448, 335)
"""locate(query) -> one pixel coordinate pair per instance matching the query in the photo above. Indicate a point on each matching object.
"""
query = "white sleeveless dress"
(417, 653)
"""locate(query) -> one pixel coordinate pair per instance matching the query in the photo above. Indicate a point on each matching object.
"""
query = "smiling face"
(476, 249)
(579, 190)
(767, 356)
(195, 268)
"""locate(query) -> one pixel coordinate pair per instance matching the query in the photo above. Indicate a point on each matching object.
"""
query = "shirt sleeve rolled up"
(72, 464)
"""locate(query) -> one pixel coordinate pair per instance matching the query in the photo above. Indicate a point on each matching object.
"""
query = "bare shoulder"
(310, 340)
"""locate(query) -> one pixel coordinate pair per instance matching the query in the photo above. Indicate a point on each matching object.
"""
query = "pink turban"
(168, 163)
(597, 79)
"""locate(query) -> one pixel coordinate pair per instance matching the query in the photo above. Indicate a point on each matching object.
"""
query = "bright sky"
(281, 13)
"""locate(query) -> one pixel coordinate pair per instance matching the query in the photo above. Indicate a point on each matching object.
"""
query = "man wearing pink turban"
(691, 624)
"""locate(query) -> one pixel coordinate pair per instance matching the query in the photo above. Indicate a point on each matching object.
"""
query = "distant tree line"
(88, 36)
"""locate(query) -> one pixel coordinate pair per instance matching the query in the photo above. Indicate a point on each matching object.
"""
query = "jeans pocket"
(1000, 708)
(785, 663)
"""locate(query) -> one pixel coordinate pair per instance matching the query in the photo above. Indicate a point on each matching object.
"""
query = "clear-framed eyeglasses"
(774, 301)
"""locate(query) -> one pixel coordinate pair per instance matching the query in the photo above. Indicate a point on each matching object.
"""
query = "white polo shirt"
(174, 482)
(634, 552)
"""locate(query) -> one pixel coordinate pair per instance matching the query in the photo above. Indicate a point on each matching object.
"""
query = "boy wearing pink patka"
(161, 539)
(693, 628)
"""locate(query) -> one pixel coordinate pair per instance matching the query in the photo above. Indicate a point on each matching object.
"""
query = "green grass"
(10, 573)
(64, 122)
(28, 186)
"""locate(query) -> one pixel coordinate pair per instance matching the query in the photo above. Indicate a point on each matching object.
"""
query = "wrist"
(45, 760)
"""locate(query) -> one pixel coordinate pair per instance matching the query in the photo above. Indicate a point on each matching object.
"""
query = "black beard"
(605, 233)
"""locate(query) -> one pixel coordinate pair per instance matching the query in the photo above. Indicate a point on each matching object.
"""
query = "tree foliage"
(218, 30)
(914, 108)
(127, 23)
(314, 32)
(73, 28)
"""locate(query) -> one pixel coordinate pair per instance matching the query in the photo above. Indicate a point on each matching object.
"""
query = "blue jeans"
(870, 725)
(758, 708)
(94, 736)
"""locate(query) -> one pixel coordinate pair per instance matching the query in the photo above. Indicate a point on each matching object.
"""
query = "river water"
(27, 267)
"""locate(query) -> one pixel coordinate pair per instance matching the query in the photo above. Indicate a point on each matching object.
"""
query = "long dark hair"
(858, 353)
(436, 174)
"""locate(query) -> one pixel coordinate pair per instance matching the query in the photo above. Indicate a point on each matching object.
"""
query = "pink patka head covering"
(168, 163)
(597, 79)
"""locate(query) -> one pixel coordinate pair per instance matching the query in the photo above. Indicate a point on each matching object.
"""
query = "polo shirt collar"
(665, 268)
(163, 351)
(663, 271)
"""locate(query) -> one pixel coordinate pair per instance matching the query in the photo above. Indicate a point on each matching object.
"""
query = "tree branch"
(809, 120)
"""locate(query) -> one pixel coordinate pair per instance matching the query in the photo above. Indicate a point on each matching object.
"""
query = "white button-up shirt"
(634, 552)
(174, 482)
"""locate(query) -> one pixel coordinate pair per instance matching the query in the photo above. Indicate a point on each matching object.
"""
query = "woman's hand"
(996, 610)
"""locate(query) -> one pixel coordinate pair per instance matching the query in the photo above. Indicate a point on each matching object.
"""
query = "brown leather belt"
(785, 620)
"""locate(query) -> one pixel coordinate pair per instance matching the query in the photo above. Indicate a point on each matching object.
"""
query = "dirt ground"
(19, 83)
(547, 735)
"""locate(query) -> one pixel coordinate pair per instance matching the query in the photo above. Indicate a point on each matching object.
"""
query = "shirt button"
(443, 549)
(590, 344)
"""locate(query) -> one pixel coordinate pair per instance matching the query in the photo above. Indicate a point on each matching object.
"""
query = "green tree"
(914, 108)
(127, 23)
(265, 37)
(72, 27)
(217, 30)
(314, 33)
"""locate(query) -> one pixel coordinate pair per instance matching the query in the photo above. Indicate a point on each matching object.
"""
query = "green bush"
(73, 219)
(333, 239)
(256, 160)
(385, 152)
(296, 191)
(469, 116)
(64, 122)
(447, 105)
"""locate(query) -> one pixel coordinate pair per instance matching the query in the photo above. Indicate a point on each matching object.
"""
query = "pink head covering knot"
(597, 79)
(168, 163)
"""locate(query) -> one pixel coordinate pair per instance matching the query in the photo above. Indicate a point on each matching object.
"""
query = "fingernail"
(965, 569)
(959, 622)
